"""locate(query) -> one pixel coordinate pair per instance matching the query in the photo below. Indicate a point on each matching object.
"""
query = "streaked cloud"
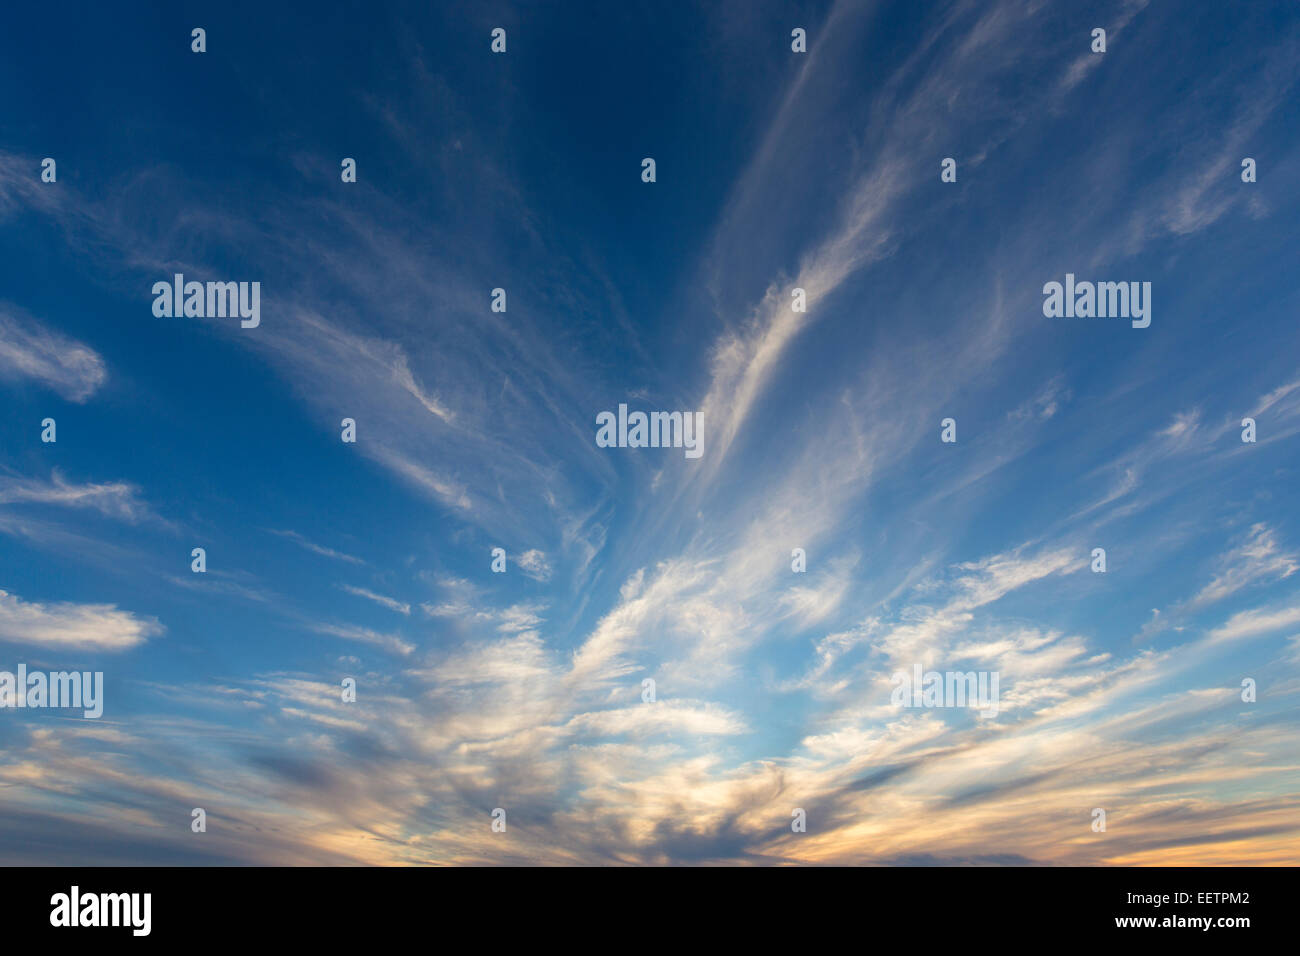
(72, 626)
(318, 548)
(29, 350)
(392, 604)
(116, 499)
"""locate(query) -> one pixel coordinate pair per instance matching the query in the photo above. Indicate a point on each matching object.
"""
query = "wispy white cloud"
(364, 635)
(68, 625)
(116, 499)
(443, 489)
(1255, 623)
(535, 564)
(1257, 559)
(392, 604)
(318, 548)
(31, 351)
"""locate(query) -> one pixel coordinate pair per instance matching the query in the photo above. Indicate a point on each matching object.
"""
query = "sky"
(1164, 691)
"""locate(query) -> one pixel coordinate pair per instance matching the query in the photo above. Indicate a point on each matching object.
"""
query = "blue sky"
(476, 430)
